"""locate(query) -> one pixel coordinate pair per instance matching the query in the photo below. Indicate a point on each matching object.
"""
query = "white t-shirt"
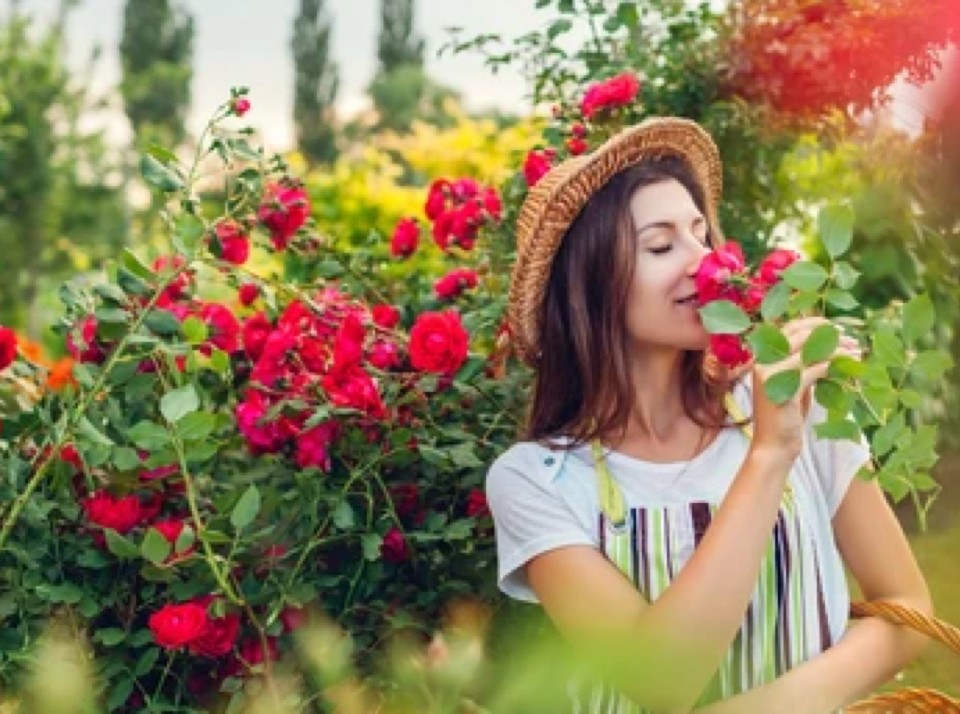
(542, 499)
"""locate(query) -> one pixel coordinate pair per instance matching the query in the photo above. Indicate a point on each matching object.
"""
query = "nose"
(697, 252)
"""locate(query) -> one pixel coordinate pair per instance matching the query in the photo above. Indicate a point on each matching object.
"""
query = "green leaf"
(918, 318)
(137, 267)
(371, 545)
(120, 546)
(125, 458)
(886, 436)
(841, 299)
(110, 636)
(158, 175)
(836, 229)
(147, 660)
(930, 366)
(246, 509)
(177, 404)
(196, 426)
(839, 429)
(149, 435)
(723, 317)
(911, 399)
(92, 434)
(194, 330)
(154, 546)
(801, 301)
(768, 343)
(220, 361)
(63, 593)
(829, 394)
(821, 343)
(558, 27)
(189, 233)
(845, 275)
(782, 386)
(888, 348)
(111, 315)
(844, 366)
(119, 693)
(775, 302)
(343, 516)
(162, 322)
(463, 456)
(805, 275)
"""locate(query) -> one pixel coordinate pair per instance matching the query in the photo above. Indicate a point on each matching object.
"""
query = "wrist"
(772, 459)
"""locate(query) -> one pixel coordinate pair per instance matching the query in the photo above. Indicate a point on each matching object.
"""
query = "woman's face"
(672, 238)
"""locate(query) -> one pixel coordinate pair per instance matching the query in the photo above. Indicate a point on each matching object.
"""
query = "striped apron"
(785, 622)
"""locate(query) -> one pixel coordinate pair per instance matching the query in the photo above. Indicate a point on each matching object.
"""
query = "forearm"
(870, 653)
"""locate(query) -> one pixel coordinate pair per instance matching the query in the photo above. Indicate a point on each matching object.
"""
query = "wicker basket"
(909, 700)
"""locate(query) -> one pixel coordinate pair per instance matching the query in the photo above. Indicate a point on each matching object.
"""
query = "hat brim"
(557, 199)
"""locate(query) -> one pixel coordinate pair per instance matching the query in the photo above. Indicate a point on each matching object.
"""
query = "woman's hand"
(779, 427)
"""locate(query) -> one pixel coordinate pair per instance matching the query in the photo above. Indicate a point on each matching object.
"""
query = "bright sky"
(246, 42)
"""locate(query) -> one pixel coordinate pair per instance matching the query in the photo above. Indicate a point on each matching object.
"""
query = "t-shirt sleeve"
(529, 514)
(835, 461)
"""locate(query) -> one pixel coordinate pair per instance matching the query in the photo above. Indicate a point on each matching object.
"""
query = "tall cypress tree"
(401, 84)
(315, 85)
(156, 51)
(397, 46)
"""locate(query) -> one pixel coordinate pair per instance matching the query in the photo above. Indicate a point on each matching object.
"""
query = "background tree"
(59, 212)
(156, 50)
(315, 84)
(402, 91)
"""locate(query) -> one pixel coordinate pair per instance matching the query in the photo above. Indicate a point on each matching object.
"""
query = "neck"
(658, 402)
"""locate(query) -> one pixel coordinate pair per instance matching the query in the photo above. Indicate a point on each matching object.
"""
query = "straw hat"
(555, 201)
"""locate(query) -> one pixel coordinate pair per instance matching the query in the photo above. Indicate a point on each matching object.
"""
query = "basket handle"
(898, 614)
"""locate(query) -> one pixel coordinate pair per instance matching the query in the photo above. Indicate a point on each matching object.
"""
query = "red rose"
(252, 652)
(617, 91)
(82, 341)
(477, 504)
(579, 131)
(181, 284)
(70, 455)
(171, 529)
(248, 293)
(385, 316)
(406, 499)
(352, 387)
(730, 350)
(174, 626)
(284, 210)
(406, 236)
(119, 514)
(348, 343)
(436, 199)
(492, 203)
(438, 343)
(454, 283)
(774, 264)
(8, 347)
(218, 637)
(537, 164)
(576, 146)
(256, 330)
(384, 355)
(442, 228)
(293, 618)
(223, 327)
(714, 278)
(240, 106)
(465, 189)
(394, 548)
(234, 243)
(313, 446)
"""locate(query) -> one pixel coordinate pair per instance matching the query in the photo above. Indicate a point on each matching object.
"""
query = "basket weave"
(555, 201)
(909, 700)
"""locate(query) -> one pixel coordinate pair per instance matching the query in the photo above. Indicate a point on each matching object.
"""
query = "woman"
(730, 520)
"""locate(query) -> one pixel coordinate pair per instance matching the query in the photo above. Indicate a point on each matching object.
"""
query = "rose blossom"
(234, 243)
(438, 343)
(256, 329)
(82, 341)
(576, 146)
(394, 548)
(774, 264)
(406, 236)
(285, 208)
(617, 91)
(537, 164)
(406, 499)
(352, 387)
(107, 511)
(174, 626)
(714, 278)
(477, 504)
(239, 106)
(180, 286)
(248, 293)
(385, 316)
(454, 283)
(220, 634)
(313, 445)
(384, 355)
(223, 327)
(730, 350)
(8, 347)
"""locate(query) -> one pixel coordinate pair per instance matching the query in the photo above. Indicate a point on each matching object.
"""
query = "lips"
(688, 300)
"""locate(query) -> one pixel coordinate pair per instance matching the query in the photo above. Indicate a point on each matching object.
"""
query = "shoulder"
(528, 461)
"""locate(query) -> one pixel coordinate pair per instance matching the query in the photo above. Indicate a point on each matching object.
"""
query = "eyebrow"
(667, 224)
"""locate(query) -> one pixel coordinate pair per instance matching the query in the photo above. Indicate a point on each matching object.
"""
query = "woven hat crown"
(556, 200)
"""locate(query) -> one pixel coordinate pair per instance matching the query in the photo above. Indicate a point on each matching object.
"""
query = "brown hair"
(583, 386)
